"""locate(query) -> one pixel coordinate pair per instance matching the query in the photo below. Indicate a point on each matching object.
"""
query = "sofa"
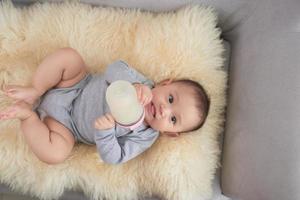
(260, 145)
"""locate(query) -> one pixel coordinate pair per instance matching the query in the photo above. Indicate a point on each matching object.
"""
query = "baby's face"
(172, 108)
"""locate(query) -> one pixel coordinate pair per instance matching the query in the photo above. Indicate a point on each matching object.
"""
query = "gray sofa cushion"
(262, 140)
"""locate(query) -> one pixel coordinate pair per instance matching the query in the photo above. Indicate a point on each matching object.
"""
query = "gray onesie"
(78, 106)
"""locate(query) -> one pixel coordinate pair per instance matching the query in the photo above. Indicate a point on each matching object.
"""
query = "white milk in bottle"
(122, 100)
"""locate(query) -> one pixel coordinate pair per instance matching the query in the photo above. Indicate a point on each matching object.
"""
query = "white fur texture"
(181, 44)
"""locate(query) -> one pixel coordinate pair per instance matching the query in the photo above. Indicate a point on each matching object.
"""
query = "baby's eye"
(171, 98)
(173, 119)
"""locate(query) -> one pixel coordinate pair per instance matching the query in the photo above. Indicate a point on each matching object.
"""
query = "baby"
(72, 108)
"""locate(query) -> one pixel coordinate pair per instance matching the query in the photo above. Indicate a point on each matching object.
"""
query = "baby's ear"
(165, 81)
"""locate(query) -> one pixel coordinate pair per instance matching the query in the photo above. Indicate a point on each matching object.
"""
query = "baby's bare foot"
(27, 94)
(20, 110)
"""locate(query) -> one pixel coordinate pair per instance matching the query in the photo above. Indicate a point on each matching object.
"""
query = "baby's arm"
(116, 150)
(144, 93)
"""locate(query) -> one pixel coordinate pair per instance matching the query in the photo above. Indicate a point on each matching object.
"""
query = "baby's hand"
(144, 93)
(104, 122)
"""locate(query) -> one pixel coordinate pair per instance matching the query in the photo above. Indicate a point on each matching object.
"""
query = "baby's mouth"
(153, 109)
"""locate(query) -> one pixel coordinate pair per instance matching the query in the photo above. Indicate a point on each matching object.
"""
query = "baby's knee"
(54, 159)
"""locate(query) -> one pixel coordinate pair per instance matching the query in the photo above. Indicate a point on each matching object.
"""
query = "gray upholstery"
(262, 141)
(261, 148)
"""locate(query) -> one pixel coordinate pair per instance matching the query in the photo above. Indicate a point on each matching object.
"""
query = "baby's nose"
(164, 110)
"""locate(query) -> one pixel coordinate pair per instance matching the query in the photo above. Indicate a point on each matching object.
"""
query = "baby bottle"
(122, 100)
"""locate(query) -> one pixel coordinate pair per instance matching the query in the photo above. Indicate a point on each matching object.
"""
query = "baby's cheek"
(157, 124)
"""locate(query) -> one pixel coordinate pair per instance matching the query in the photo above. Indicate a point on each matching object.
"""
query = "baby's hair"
(202, 101)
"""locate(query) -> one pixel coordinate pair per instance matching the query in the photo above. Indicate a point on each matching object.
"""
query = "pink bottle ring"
(135, 124)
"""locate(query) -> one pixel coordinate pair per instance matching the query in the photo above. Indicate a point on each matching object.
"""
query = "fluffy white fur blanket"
(181, 44)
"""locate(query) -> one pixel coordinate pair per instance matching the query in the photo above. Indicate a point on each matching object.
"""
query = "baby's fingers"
(105, 122)
(109, 117)
(139, 93)
(102, 125)
(97, 123)
(147, 99)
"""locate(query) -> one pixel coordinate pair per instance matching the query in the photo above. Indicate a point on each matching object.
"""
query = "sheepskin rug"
(180, 44)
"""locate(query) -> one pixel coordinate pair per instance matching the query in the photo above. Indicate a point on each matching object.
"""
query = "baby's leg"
(63, 68)
(50, 141)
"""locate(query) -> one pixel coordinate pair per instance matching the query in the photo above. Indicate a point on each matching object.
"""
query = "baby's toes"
(8, 113)
(10, 93)
(3, 116)
(9, 88)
